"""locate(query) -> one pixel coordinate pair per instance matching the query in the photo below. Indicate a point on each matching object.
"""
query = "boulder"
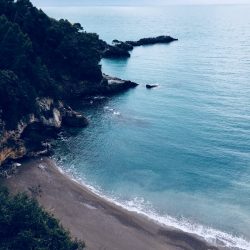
(113, 85)
(75, 119)
(150, 86)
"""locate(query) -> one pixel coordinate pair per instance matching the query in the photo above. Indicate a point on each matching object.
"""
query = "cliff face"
(32, 134)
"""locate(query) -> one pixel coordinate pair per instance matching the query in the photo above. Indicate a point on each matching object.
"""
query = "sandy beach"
(100, 223)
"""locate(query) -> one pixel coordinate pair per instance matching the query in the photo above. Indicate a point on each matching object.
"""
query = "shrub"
(24, 225)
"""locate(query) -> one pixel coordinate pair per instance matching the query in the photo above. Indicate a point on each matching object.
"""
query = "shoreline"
(101, 223)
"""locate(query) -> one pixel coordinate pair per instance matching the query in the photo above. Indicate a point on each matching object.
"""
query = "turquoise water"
(179, 153)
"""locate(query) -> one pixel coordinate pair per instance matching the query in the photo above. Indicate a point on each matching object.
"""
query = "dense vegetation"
(24, 225)
(40, 56)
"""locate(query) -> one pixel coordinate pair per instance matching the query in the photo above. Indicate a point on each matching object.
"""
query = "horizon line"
(145, 5)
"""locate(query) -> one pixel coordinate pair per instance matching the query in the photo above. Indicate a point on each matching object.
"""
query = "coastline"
(89, 217)
(183, 146)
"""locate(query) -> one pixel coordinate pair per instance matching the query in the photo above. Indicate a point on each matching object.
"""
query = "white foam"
(209, 234)
(108, 108)
(139, 206)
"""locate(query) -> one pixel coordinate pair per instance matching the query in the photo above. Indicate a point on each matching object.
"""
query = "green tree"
(24, 225)
(16, 48)
(17, 98)
(42, 57)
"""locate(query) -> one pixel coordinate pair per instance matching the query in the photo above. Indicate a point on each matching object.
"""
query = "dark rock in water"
(152, 40)
(113, 85)
(121, 49)
(150, 86)
(75, 119)
(107, 86)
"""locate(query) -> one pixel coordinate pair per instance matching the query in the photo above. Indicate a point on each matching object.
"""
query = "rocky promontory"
(112, 85)
(152, 40)
(121, 49)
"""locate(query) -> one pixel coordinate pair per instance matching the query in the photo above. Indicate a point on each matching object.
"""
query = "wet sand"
(100, 223)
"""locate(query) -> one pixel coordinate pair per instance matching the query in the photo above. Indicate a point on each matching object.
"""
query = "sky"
(41, 3)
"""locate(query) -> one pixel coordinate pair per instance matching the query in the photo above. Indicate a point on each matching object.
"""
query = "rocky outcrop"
(33, 133)
(113, 85)
(121, 49)
(108, 86)
(152, 40)
(74, 119)
(12, 150)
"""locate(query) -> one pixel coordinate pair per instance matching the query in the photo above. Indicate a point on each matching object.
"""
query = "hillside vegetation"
(24, 225)
(40, 56)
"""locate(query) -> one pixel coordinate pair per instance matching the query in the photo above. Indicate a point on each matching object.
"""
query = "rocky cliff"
(33, 133)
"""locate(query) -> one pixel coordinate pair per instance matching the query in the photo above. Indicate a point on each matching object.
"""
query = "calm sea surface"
(179, 153)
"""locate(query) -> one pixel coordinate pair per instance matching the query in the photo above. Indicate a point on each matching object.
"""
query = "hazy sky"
(133, 2)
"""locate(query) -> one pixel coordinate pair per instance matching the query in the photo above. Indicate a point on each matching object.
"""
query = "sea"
(178, 153)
